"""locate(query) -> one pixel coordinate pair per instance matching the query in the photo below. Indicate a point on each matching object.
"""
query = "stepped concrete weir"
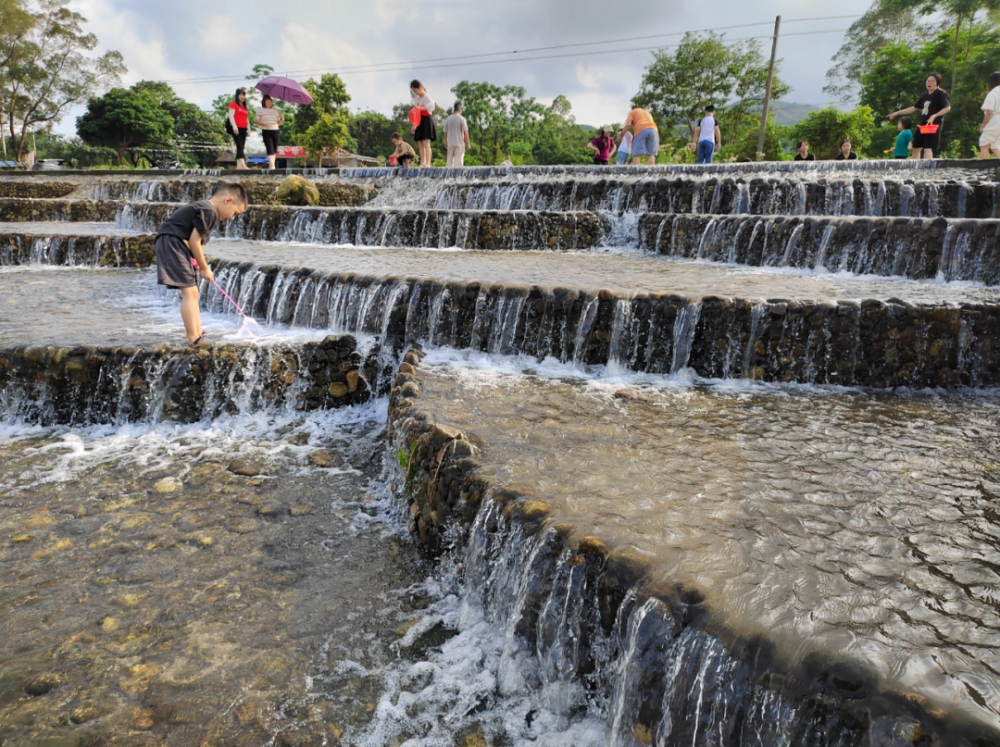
(608, 457)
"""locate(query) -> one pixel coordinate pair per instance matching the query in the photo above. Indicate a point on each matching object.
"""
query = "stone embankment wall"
(869, 343)
(722, 681)
(15, 210)
(33, 188)
(83, 250)
(261, 190)
(875, 196)
(85, 385)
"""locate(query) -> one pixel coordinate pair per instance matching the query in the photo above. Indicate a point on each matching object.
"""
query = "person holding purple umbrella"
(238, 125)
(269, 119)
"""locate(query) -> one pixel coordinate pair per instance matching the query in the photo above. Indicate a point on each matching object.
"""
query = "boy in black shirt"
(932, 106)
(181, 238)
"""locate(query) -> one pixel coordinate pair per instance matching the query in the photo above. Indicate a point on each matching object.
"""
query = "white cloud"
(216, 33)
(144, 53)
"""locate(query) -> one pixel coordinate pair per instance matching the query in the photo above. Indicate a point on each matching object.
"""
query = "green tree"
(896, 78)
(196, 133)
(371, 131)
(559, 139)
(960, 11)
(501, 119)
(744, 147)
(883, 25)
(676, 86)
(827, 128)
(327, 134)
(50, 68)
(330, 96)
(124, 120)
(74, 151)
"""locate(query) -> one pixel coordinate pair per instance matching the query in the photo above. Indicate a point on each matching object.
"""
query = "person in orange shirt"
(646, 135)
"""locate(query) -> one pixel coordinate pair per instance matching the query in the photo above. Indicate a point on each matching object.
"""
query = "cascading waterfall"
(648, 667)
(685, 327)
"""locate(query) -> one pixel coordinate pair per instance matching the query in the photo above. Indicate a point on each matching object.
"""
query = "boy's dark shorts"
(173, 263)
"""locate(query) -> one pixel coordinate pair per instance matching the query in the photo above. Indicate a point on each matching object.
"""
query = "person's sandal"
(201, 342)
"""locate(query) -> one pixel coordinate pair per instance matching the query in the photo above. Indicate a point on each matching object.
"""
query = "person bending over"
(404, 152)
(181, 239)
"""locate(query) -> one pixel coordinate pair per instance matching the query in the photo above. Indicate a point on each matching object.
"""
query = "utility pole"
(767, 91)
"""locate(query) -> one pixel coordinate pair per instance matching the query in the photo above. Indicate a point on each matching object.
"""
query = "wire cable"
(396, 66)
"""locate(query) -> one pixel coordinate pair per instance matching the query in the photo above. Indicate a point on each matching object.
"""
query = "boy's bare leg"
(636, 160)
(650, 160)
(190, 313)
(984, 151)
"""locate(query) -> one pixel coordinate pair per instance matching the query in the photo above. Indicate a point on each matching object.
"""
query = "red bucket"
(928, 129)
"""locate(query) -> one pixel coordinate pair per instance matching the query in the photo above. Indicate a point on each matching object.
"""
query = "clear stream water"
(851, 522)
(250, 580)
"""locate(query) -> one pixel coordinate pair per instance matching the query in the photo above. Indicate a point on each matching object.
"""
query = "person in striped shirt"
(269, 120)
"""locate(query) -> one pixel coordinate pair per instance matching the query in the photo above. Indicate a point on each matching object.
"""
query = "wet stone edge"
(871, 343)
(87, 385)
(78, 250)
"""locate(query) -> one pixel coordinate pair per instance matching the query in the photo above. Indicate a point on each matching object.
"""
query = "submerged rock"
(42, 684)
(631, 395)
(247, 467)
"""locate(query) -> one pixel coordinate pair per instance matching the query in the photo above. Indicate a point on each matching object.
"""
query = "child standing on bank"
(904, 140)
(181, 238)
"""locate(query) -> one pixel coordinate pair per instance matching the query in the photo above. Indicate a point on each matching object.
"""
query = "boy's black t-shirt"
(810, 157)
(932, 103)
(200, 215)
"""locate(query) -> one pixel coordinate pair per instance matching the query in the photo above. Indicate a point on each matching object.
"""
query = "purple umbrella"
(284, 89)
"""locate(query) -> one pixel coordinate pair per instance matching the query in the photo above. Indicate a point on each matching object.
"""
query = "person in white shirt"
(989, 130)
(456, 137)
(269, 120)
(624, 148)
(707, 136)
(425, 132)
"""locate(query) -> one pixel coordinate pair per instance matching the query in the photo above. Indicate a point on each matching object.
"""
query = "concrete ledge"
(88, 385)
(454, 506)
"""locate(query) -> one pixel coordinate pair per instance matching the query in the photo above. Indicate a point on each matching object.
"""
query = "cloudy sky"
(181, 40)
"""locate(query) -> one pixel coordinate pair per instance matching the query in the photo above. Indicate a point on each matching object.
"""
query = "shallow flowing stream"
(847, 522)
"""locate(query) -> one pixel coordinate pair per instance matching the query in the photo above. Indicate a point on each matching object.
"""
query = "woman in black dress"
(426, 131)
(932, 106)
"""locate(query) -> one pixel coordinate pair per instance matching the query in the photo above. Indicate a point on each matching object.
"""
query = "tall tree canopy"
(895, 80)
(125, 119)
(959, 11)
(49, 66)
(882, 25)
(499, 118)
(676, 86)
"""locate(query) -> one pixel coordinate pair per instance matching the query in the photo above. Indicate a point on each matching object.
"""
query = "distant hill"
(789, 113)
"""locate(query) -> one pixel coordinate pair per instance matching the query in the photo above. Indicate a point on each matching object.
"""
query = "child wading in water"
(181, 238)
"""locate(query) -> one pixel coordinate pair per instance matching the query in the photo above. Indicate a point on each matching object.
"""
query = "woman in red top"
(239, 122)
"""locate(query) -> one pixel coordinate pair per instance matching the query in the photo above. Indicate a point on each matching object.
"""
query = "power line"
(465, 59)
